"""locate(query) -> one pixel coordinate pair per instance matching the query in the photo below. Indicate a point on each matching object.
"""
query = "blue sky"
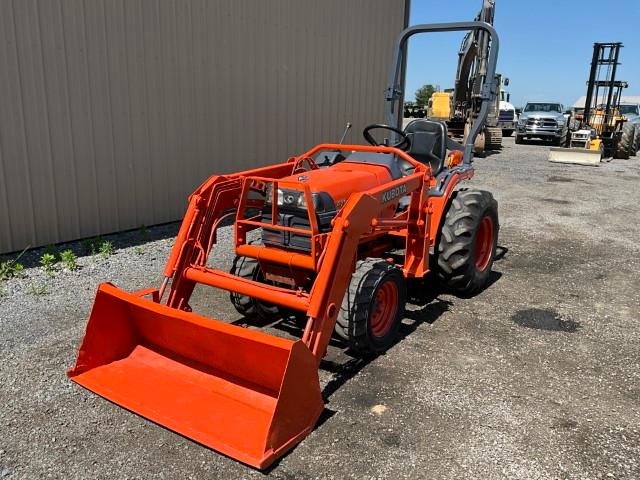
(545, 46)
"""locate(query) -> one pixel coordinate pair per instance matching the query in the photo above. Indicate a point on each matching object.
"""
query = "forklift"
(600, 131)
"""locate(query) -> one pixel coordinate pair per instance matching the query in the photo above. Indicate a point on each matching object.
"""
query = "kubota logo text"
(393, 193)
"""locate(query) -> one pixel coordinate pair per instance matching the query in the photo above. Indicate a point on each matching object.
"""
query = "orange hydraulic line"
(261, 291)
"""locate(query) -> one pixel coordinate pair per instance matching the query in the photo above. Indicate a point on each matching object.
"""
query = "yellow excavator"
(460, 106)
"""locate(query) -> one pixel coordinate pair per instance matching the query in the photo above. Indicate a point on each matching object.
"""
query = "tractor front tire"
(373, 306)
(468, 241)
(507, 132)
(249, 268)
(518, 139)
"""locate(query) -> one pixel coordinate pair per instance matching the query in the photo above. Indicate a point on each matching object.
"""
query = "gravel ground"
(536, 377)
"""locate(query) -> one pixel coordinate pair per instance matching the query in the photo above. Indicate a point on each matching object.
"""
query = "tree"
(423, 94)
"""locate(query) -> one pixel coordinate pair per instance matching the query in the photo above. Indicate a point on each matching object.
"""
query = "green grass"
(68, 258)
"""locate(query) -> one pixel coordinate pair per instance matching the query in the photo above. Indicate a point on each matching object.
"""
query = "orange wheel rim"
(385, 306)
(484, 243)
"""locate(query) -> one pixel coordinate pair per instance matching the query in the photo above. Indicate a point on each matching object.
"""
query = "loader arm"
(197, 235)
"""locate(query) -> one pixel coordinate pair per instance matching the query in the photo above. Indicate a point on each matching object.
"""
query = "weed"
(69, 259)
(139, 250)
(38, 289)
(48, 260)
(92, 245)
(105, 248)
(144, 232)
(11, 268)
(50, 249)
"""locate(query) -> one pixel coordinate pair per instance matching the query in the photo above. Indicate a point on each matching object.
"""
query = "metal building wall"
(113, 111)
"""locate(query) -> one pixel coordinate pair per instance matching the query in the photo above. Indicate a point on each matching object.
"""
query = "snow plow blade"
(579, 156)
(244, 393)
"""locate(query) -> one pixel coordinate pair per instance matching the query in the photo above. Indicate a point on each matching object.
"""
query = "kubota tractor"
(342, 230)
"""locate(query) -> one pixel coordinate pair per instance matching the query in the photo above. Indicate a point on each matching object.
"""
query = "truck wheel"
(518, 139)
(249, 268)
(373, 306)
(625, 142)
(468, 240)
(507, 133)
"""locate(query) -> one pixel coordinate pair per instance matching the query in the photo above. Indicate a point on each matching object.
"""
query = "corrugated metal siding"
(113, 111)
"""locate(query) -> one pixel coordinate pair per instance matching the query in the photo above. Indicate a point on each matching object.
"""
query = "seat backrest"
(428, 142)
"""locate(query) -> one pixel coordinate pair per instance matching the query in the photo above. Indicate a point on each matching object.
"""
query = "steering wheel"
(402, 144)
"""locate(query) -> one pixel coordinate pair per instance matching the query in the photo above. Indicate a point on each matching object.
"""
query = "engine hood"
(552, 115)
(340, 180)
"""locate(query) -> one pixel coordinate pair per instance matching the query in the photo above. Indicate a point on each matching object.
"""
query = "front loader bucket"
(579, 156)
(246, 394)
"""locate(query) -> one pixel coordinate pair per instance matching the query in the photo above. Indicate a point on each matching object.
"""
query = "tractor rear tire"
(373, 306)
(249, 268)
(625, 142)
(468, 241)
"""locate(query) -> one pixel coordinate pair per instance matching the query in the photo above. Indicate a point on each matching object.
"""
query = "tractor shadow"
(424, 294)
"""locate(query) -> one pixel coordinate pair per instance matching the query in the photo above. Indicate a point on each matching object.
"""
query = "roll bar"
(487, 93)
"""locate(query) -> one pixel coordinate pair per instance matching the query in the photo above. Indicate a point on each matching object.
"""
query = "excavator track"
(493, 138)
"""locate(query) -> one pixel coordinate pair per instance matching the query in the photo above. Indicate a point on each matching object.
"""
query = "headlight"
(269, 195)
(561, 123)
(296, 199)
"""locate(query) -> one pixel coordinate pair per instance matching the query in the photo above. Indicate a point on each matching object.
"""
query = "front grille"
(297, 219)
(506, 116)
(542, 122)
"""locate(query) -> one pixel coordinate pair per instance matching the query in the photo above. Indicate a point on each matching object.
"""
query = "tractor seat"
(428, 142)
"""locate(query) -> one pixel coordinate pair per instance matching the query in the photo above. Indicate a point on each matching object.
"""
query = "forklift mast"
(602, 87)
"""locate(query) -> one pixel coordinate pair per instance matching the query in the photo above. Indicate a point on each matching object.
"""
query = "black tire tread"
(454, 260)
(249, 268)
(625, 143)
(636, 139)
(352, 320)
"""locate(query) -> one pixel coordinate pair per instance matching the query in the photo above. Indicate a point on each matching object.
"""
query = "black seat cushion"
(428, 142)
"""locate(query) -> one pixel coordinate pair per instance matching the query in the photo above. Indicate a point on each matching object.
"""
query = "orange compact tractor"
(342, 229)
